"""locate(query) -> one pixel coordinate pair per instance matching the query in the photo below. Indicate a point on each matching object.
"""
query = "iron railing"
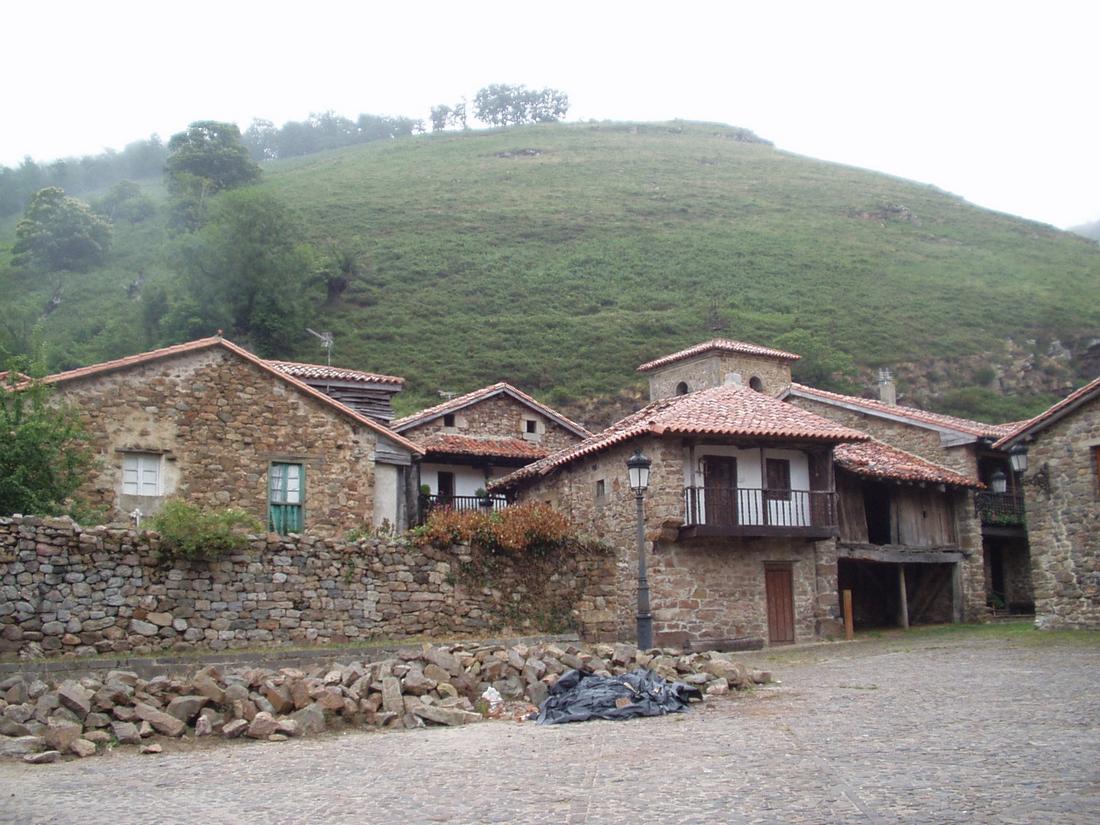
(461, 503)
(1000, 509)
(740, 506)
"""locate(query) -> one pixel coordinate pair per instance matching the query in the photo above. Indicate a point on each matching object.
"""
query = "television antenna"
(326, 342)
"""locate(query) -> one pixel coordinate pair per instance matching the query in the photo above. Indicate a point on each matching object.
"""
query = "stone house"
(475, 438)
(740, 512)
(368, 393)
(212, 423)
(1062, 493)
(966, 447)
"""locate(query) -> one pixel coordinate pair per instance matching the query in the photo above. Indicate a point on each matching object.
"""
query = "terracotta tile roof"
(1051, 415)
(495, 447)
(217, 341)
(321, 372)
(933, 419)
(722, 411)
(470, 398)
(718, 345)
(874, 459)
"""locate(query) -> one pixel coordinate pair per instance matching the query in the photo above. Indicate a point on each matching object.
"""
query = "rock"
(98, 737)
(416, 683)
(623, 654)
(111, 694)
(279, 697)
(718, 688)
(444, 659)
(143, 628)
(310, 719)
(334, 677)
(152, 747)
(733, 672)
(204, 685)
(203, 726)
(145, 730)
(537, 693)
(760, 677)
(123, 713)
(330, 699)
(60, 733)
(97, 720)
(43, 758)
(445, 716)
(231, 730)
(20, 745)
(161, 722)
(288, 727)
(262, 726)
(299, 694)
(83, 748)
(75, 697)
(160, 619)
(126, 733)
(446, 690)
(126, 677)
(391, 695)
(277, 737)
(436, 673)
(18, 713)
(9, 727)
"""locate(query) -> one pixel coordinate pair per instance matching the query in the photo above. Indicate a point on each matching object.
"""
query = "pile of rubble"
(451, 685)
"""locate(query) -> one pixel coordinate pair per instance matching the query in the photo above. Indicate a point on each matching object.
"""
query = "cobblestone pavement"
(933, 730)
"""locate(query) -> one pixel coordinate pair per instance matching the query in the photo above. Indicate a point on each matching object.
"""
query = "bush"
(523, 528)
(191, 533)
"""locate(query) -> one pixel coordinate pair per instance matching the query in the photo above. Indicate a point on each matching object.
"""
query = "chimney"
(887, 389)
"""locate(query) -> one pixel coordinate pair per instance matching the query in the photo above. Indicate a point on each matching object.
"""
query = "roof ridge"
(474, 396)
(723, 344)
(1050, 412)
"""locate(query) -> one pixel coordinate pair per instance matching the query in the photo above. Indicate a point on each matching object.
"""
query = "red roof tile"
(718, 345)
(471, 398)
(1050, 415)
(874, 459)
(493, 447)
(217, 341)
(309, 372)
(934, 419)
(722, 411)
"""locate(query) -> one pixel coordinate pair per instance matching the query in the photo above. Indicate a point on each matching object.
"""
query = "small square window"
(449, 420)
(531, 425)
(141, 474)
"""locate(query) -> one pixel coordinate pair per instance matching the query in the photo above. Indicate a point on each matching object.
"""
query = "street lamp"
(998, 481)
(1018, 456)
(637, 467)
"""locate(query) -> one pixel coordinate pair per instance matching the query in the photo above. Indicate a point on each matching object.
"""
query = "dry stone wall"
(65, 590)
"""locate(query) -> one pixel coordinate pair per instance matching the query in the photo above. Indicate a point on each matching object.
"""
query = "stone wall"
(711, 371)
(68, 590)
(217, 422)
(501, 416)
(1063, 520)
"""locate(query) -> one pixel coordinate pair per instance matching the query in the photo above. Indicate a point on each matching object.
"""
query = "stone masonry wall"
(68, 590)
(711, 371)
(219, 421)
(500, 416)
(1063, 520)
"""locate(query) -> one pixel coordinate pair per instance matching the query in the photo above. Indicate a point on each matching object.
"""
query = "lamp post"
(637, 467)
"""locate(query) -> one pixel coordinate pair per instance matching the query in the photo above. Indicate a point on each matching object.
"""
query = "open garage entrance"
(893, 594)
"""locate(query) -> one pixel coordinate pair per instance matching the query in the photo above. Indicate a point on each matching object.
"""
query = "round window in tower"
(756, 384)
(682, 388)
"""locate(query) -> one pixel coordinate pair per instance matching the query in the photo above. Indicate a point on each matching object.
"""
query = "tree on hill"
(501, 104)
(125, 201)
(44, 452)
(58, 232)
(246, 272)
(207, 158)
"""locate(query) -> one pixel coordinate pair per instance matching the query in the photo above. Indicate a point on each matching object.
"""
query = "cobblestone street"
(925, 729)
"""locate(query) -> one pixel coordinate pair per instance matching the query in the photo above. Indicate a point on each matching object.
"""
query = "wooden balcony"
(757, 512)
(1000, 513)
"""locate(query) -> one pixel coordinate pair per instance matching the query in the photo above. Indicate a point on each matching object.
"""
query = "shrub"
(191, 533)
(531, 528)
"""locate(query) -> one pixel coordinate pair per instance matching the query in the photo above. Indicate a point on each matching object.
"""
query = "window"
(682, 388)
(756, 384)
(531, 425)
(601, 490)
(141, 474)
(779, 479)
(449, 420)
(286, 492)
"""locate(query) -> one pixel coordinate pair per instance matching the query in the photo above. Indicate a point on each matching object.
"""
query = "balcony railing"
(461, 503)
(756, 511)
(1000, 509)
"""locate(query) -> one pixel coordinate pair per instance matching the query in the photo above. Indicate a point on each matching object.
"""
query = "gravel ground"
(923, 729)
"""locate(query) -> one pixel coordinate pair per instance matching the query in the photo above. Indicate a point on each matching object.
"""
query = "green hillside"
(560, 269)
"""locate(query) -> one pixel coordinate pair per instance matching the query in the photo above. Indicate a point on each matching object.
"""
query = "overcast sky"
(996, 102)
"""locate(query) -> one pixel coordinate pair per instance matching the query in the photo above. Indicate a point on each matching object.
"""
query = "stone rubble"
(431, 684)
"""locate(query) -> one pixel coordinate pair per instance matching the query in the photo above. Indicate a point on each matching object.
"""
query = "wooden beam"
(898, 554)
(903, 598)
(956, 593)
(849, 621)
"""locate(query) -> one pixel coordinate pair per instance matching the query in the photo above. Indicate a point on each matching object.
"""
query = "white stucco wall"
(467, 479)
(750, 478)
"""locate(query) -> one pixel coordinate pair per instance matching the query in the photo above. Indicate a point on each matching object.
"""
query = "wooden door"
(779, 584)
(720, 490)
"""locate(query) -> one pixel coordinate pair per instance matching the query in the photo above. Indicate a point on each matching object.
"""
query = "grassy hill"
(563, 267)
(1088, 230)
